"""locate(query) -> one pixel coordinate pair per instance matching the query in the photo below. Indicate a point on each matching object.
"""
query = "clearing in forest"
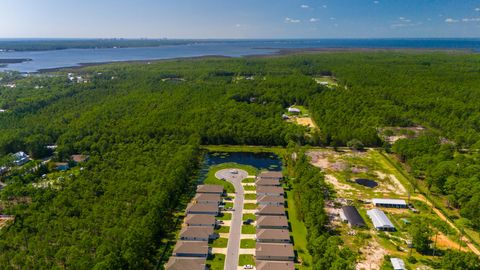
(342, 170)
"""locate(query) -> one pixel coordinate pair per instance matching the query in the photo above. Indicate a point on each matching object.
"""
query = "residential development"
(191, 250)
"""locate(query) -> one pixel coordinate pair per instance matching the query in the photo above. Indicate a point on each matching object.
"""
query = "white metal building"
(380, 220)
(390, 203)
(398, 264)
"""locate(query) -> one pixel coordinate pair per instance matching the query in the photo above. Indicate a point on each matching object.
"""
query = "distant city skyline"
(246, 19)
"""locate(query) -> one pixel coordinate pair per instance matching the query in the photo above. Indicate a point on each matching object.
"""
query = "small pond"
(366, 182)
(261, 161)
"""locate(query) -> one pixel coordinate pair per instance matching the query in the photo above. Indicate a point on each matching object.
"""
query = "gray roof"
(274, 265)
(191, 247)
(201, 207)
(177, 263)
(200, 219)
(353, 217)
(379, 219)
(267, 182)
(273, 234)
(271, 174)
(271, 209)
(273, 250)
(275, 221)
(196, 231)
(207, 197)
(270, 190)
(268, 198)
(389, 201)
(209, 189)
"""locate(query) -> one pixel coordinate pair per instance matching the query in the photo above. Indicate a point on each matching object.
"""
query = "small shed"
(398, 264)
(293, 110)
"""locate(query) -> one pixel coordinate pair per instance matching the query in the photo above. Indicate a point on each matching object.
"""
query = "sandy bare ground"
(340, 188)
(390, 183)
(4, 220)
(305, 121)
(444, 242)
(372, 257)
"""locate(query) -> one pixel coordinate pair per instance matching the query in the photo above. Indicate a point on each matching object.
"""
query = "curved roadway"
(233, 247)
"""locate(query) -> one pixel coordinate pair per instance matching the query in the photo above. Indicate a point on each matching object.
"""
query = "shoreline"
(277, 53)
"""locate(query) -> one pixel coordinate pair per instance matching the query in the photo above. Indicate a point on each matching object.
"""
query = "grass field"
(247, 243)
(223, 229)
(249, 206)
(225, 216)
(245, 259)
(249, 216)
(216, 262)
(248, 229)
(219, 243)
(299, 232)
(250, 196)
(249, 187)
(248, 180)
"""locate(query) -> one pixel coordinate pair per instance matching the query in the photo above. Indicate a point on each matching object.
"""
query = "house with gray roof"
(180, 263)
(274, 252)
(273, 236)
(193, 249)
(272, 222)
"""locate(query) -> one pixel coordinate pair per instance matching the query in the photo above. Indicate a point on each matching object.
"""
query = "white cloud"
(304, 6)
(313, 20)
(376, 2)
(471, 20)
(405, 20)
(332, 18)
(290, 20)
(238, 25)
(450, 20)
(324, 6)
(477, 9)
(399, 25)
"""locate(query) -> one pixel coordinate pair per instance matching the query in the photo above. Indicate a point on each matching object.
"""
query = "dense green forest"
(309, 191)
(142, 125)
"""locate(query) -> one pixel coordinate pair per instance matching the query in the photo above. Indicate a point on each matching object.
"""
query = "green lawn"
(249, 206)
(250, 196)
(249, 187)
(223, 229)
(219, 243)
(225, 216)
(211, 179)
(299, 232)
(248, 180)
(248, 229)
(228, 205)
(247, 243)
(246, 259)
(249, 216)
(216, 262)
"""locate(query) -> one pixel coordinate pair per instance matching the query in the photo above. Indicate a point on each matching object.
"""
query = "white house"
(293, 110)
(20, 158)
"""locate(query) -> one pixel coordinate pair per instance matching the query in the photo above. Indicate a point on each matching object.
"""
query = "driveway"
(233, 247)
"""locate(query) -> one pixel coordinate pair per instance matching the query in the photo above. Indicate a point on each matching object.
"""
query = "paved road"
(233, 247)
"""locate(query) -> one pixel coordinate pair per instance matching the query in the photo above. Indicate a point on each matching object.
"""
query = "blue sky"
(239, 19)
